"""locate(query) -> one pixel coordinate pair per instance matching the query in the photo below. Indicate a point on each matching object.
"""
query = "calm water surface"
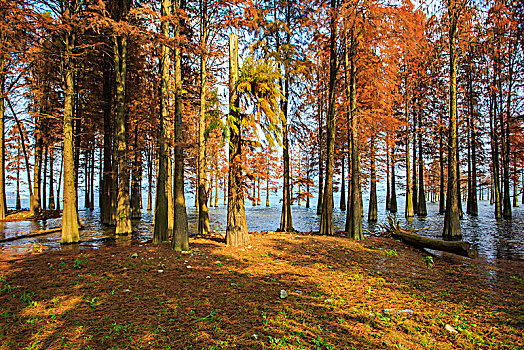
(494, 239)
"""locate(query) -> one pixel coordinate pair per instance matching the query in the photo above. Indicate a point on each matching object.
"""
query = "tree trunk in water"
(506, 145)
(372, 211)
(35, 208)
(388, 178)
(452, 215)
(495, 193)
(393, 205)
(180, 241)
(18, 202)
(267, 185)
(160, 230)
(3, 202)
(320, 149)
(70, 224)
(286, 220)
(415, 163)
(203, 210)
(107, 176)
(149, 179)
(343, 187)
(409, 194)
(326, 219)
(472, 204)
(136, 191)
(51, 179)
(123, 210)
(442, 195)
(422, 210)
(236, 233)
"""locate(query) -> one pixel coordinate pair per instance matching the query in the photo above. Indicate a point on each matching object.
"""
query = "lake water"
(493, 239)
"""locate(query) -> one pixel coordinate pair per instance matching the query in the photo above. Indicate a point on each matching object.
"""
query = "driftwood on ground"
(394, 230)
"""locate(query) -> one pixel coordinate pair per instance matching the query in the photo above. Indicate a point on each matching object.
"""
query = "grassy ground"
(342, 294)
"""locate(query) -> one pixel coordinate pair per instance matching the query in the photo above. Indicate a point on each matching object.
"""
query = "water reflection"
(493, 239)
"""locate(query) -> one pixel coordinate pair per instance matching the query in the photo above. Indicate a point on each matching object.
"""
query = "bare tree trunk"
(203, 210)
(452, 215)
(160, 231)
(409, 194)
(123, 210)
(343, 186)
(107, 176)
(70, 226)
(326, 219)
(372, 211)
(3, 202)
(393, 204)
(422, 210)
(180, 241)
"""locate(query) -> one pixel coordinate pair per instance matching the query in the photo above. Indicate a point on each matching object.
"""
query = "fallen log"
(394, 230)
(30, 234)
(35, 233)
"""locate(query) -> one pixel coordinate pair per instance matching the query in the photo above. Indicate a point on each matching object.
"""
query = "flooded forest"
(217, 174)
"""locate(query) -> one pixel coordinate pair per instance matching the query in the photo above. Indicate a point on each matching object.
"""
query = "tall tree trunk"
(18, 205)
(107, 176)
(372, 211)
(160, 230)
(409, 194)
(506, 144)
(452, 215)
(236, 233)
(3, 202)
(388, 177)
(355, 211)
(320, 147)
(422, 210)
(343, 186)
(203, 210)
(180, 241)
(326, 219)
(136, 190)
(86, 178)
(442, 194)
(150, 179)
(92, 181)
(51, 178)
(393, 205)
(267, 184)
(70, 225)
(472, 205)
(286, 220)
(495, 193)
(415, 163)
(123, 210)
(35, 209)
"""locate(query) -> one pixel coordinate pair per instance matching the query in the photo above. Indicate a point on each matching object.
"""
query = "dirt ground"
(341, 294)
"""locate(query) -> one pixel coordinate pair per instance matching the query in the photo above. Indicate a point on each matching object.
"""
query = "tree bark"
(409, 194)
(123, 210)
(3, 202)
(393, 205)
(372, 211)
(452, 214)
(70, 226)
(422, 210)
(180, 241)
(160, 230)
(107, 176)
(326, 219)
(203, 210)
(236, 233)
(343, 185)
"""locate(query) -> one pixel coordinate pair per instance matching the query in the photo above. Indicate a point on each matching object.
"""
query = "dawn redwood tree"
(160, 230)
(180, 240)
(70, 221)
(123, 212)
(452, 214)
(203, 210)
(326, 218)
